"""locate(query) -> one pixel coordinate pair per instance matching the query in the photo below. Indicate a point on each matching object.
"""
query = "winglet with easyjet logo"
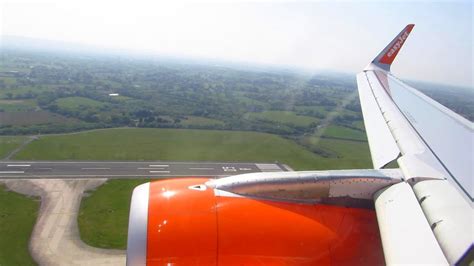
(386, 57)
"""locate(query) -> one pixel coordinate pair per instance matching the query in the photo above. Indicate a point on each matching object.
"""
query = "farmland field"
(72, 103)
(359, 125)
(161, 94)
(17, 105)
(200, 121)
(318, 111)
(33, 117)
(344, 133)
(283, 117)
(20, 91)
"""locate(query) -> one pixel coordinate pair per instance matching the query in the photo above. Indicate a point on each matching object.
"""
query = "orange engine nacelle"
(175, 222)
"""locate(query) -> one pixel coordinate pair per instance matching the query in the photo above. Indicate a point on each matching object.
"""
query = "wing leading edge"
(433, 145)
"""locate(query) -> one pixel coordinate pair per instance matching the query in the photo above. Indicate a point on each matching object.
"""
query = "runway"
(127, 169)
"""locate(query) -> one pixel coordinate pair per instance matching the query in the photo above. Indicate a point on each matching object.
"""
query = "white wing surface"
(433, 145)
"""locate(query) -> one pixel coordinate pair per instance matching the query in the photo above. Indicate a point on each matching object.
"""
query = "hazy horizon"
(342, 37)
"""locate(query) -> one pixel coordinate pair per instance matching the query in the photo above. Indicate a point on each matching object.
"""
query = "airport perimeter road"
(105, 169)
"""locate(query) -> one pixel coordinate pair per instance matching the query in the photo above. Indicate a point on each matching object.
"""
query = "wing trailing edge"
(404, 230)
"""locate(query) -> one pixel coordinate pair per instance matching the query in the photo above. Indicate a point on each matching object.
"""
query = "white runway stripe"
(159, 171)
(12, 172)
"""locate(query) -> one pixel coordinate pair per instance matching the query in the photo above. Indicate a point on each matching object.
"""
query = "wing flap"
(405, 241)
(451, 222)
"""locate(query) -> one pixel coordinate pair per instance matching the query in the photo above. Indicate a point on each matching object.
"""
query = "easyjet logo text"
(398, 44)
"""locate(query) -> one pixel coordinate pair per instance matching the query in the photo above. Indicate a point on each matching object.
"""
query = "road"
(127, 169)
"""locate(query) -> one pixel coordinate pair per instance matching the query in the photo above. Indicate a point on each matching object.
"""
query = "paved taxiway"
(55, 238)
(127, 169)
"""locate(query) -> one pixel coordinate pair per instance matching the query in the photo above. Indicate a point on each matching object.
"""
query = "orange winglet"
(388, 54)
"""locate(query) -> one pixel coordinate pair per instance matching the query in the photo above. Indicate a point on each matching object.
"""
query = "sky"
(313, 35)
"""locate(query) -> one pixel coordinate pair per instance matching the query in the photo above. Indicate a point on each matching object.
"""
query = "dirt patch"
(32, 118)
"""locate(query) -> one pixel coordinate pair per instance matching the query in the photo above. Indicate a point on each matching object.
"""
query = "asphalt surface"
(107, 169)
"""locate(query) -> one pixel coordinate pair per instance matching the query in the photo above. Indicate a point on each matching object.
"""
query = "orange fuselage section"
(196, 227)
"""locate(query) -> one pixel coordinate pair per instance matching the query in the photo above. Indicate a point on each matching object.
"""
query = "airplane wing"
(434, 149)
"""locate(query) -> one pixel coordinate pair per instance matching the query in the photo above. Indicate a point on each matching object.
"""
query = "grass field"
(344, 133)
(74, 103)
(351, 154)
(340, 153)
(282, 117)
(9, 80)
(20, 90)
(8, 144)
(200, 121)
(17, 218)
(359, 124)
(103, 216)
(171, 144)
(17, 105)
(316, 110)
(121, 98)
(249, 101)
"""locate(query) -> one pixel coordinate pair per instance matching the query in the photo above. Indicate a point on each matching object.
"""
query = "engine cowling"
(183, 222)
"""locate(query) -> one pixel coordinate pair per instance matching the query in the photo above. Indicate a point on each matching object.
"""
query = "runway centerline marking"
(12, 172)
(201, 168)
(159, 165)
(159, 171)
(229, 169)
(45, 168)
(95, 168)
(150, 168)
(18, 165)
